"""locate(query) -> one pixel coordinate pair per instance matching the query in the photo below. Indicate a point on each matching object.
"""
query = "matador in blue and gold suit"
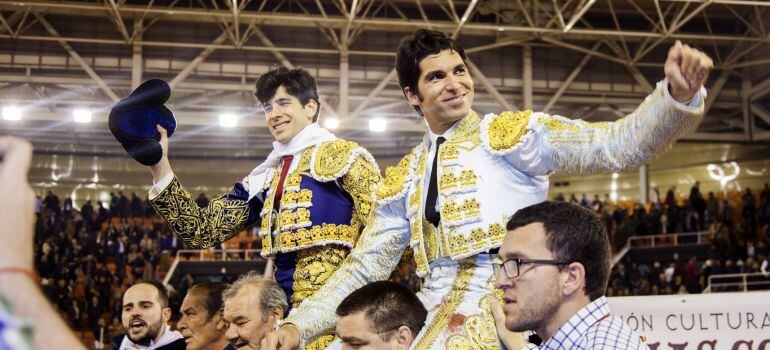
(311, 198)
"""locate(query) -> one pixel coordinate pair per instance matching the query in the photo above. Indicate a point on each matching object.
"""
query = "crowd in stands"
(736, 226)
(87, 258)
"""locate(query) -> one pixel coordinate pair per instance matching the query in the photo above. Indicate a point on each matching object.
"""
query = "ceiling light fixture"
(81, 116)
(378, 125)
(11, 113)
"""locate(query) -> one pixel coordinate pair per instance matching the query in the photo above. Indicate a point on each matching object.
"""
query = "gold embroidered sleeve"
(201, 228)
(359, 182)
(576, 146)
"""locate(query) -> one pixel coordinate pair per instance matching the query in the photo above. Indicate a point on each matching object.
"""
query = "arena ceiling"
(590, 59)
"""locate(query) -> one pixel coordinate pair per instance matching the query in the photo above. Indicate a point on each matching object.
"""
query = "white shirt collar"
(432, 137)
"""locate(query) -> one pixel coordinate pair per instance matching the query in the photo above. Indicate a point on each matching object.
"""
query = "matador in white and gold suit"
(486, 168)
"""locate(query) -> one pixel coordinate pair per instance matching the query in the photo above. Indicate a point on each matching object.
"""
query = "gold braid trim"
(314, 267)
(507, 129)
(444, 314)
(359, 182)
(395, 179)
(467, 131)
(559, 124)
(321, 342)
(344, 235)
(197, 227)
(268, 217)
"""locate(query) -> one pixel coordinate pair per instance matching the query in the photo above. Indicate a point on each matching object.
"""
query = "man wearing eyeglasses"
(553, 269)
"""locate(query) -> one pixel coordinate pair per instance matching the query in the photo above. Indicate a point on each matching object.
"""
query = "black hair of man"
(414, 48)
(573, 234)
(162, 292)
(212, 293)
(297, 82)
(387, 305)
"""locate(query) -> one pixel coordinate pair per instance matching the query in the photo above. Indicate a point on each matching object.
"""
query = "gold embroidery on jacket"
(198, 227)
(467, 131)
(297, 199)
(395, 179)
(321, 342)
(448, 152)
(477, 239)
(291, 219)
(326, 233)
(268, 217)
(454, 214)
(332, 157)
(507, 129)
(272, 223)
(359, 182)
(554, 123)
(451, 182)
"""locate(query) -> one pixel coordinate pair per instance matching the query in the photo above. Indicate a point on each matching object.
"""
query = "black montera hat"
(132, 121)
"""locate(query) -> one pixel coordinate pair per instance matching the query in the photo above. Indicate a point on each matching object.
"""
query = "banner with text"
(716, 321)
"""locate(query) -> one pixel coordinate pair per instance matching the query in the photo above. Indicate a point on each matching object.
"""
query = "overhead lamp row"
(226, 120)
(14, 113)
(229, 120)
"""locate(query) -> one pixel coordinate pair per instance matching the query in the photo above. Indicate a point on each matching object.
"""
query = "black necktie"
(431, 214)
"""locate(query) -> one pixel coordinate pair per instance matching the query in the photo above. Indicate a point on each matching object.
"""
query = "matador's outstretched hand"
(687, 69)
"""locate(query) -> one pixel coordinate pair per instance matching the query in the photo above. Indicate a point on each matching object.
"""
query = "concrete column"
(644, 184)
(136, 61)
(527, 76)
(746, 106)
(342, 109)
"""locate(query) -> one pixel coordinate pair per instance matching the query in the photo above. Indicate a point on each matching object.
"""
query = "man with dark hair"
(202, 324)
(448, 198)
(312, 196)
(553, 269)
(381, 315)
(145, 315)
(295, 82)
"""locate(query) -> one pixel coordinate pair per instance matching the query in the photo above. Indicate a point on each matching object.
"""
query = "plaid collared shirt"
(593, 327)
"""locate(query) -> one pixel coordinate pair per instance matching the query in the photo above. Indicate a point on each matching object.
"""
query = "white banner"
(716, 321)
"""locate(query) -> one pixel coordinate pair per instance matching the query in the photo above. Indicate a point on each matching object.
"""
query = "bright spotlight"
(12, 113)
(81, 116)
(228, 120)
(378, 125)
(332, 123)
